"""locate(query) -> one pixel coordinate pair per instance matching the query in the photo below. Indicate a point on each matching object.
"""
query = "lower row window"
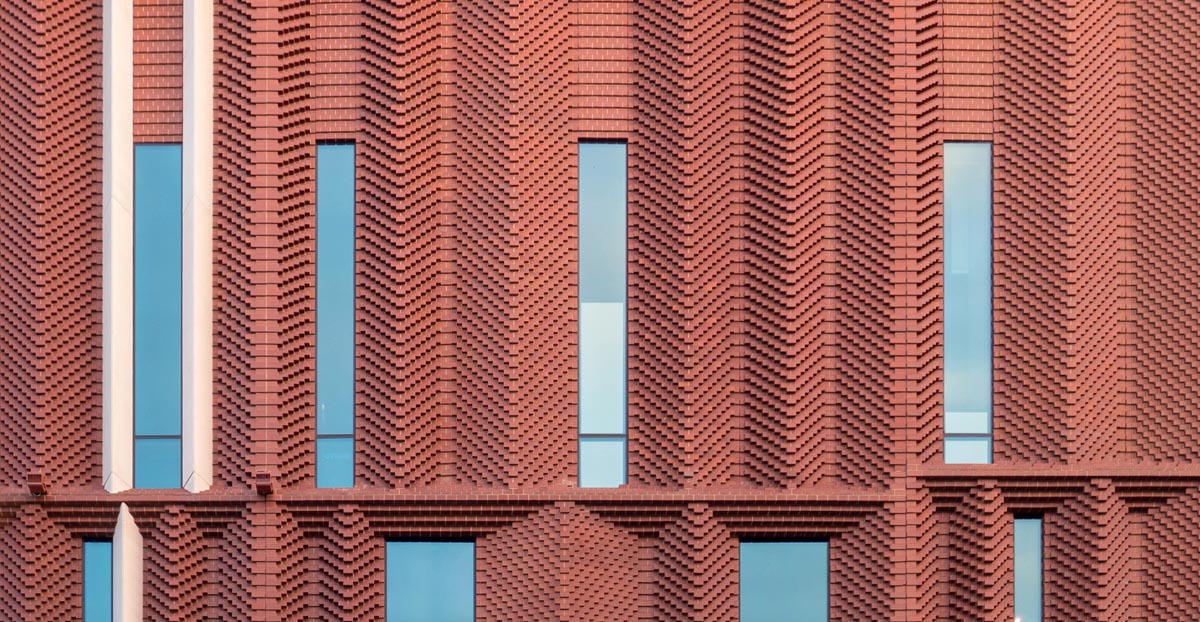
(1027, 570)
(97, 581)
(784, 582)
(430, 581)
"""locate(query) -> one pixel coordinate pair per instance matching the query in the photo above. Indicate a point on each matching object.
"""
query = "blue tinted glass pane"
(968, 423)
(602, 327)
(428, 581)
(968, 449)
(602, 368)
(335, 462)
(157, 463)
(602, 232)
(157, 288)
(335, 289)
(97, 582)
(784, 581)
(601, 462)
(968, 285)
(1027, 556)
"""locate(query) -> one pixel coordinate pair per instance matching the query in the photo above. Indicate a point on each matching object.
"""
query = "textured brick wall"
(785, 321)
(158, 71)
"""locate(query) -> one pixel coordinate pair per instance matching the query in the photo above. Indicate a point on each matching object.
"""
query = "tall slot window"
(1027, 569)
(784, 582)
(968, 303)
(602, 310)
(97, 581)
(335, 315)
(157, 316)
(430, 581)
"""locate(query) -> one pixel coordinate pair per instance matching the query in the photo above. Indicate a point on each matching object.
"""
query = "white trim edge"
(118, 245)
(127, 569)
(197, 243)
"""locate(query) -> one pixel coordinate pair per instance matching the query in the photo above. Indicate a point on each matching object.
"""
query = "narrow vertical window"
(97, 581)
(157, 316)
(335, 315)
(968, 303)
(784, 582)
(430, 581)
(1027, 569)
(602, 307)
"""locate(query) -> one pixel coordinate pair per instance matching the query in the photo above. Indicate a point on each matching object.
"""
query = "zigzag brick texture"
(785, 324)
(1161, 233)
(1030, 342)
(21, 96)
(174, 567)
(1169, 562)
(564, 563)
(236, 231)
(692, 569)
(1091, 557)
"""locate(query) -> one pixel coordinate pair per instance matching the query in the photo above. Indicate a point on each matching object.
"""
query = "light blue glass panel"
(97, 582)
(968, 285)
(602, 323)
(157, 463)
(602, 230)
(335, 289)
(784, 582)
(602, 368)
(335, 462)
(968, 423)
(157, 289)
(968, 449)
(601, 462)
(1027, 570)
(430, 581)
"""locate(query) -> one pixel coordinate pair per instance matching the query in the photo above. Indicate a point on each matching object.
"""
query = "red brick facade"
(785, 273)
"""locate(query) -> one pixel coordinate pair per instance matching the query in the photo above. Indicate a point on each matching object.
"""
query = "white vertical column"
(127, 569)
(118, 245)
(197, 243)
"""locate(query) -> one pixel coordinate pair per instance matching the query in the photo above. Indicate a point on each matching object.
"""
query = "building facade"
(599, 310)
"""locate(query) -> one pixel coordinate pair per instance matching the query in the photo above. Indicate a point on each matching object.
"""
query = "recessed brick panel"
(158, 71)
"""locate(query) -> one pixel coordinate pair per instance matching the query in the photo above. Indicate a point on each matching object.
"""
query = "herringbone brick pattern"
(406, 339)
(1030, 253)
(980, 557)
(21, 97)
(1162, 233)
(240, 282)
(785, 317)
(1091, 557)
(345, 566)
(174, 568)
(1170, 563)
(693, 569)
(564, 563)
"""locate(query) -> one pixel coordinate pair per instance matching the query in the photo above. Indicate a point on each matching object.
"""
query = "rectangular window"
(335, 315)
(157, 316)
(602, 310)
(968, 303)
(97, 581)
(1027, 569)
(430, 581)
(784, 582)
